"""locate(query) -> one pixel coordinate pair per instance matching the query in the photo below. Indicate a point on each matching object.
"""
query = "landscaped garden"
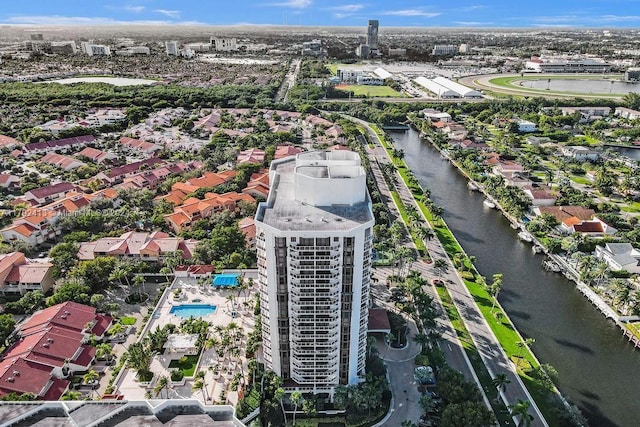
(186, 365)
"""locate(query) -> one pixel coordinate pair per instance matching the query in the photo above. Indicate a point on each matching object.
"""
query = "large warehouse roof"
(435, 88)
(461, 90)
(382, 73)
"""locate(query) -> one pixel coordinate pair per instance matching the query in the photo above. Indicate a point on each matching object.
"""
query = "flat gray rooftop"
(288, 214)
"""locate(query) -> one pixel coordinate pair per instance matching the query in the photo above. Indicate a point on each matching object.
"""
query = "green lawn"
(633, 207)
(128, 321)
(187, 368)
(371, 91)
(580, 179)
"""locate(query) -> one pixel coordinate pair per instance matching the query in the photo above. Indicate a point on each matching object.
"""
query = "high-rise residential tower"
(314, 236)
(372, 35)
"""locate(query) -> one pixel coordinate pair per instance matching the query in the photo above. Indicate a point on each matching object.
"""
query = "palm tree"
(162, 384)
(198, 385)
(522, 345)
(297, 399)
(279, 396)
(495, 288)
(500, 382)
(200, 377)
(104, 350)
(72, 395)
(91, 378)
(139, 357)
(139, 280)
(421, 339)
(521, 409)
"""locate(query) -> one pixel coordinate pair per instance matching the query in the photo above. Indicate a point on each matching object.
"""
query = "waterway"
(598, 370)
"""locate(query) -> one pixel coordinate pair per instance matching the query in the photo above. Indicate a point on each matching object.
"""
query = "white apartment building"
(95, 49)
(314, 237)
(171, 48)
(220, 44)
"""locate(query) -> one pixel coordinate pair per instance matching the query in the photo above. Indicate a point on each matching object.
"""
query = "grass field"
(371, 91)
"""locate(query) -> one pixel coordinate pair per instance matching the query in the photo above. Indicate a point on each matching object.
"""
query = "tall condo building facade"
(314, 236)
(372, 35)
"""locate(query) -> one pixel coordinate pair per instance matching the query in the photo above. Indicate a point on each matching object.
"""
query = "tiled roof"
(102, 323)
(29, 273)
(69, 315)
(22, 376)
(43, 192)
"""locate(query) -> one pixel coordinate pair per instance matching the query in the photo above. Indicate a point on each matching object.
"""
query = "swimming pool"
(193, 310)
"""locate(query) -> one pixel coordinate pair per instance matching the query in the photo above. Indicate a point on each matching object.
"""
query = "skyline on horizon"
(402, 13)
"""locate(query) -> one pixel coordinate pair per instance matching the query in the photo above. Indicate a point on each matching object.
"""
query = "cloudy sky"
(462, 13)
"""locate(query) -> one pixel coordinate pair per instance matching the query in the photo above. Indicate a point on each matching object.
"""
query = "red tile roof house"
(49, 193)
(195, 271)
(39, 224)
(97, 156)
(540, 196)
(21, 376)
(18, 276)
(144, 246)
(8, 142)
(65, 163)
(60, 144)
(193, 209)
(51, 347)
(117, 174)
(139, 145)
(253, 155)
(9, 181)
(285, 151)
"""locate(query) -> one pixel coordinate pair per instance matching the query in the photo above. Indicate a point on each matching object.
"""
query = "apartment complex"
(314, 260)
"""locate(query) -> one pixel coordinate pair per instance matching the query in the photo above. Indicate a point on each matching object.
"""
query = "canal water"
(598, 370)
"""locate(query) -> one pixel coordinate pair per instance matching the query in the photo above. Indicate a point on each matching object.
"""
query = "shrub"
(177, 375)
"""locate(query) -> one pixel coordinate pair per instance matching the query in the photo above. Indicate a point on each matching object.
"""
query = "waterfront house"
(580, 153)
(540, 196)
(620, 256)
(627, 113)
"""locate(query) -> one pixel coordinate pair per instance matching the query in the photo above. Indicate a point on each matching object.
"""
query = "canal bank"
(597, 369)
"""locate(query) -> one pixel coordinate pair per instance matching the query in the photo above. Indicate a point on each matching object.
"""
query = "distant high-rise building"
(227, 44)
(314, 261)
(372, 35)
(171, 47)
(444, 50)
(95, 49)
(632, 75)
(37, 36)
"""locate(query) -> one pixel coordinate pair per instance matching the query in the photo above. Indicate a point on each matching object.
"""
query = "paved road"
(489, 349)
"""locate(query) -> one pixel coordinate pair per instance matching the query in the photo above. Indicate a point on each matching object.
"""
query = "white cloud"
(85, 20)
(132, 8)
(619, 18)
(347, 8)
(175, 14)
(473, 7)
(473, 23)
(297, 4)
(411, 12)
